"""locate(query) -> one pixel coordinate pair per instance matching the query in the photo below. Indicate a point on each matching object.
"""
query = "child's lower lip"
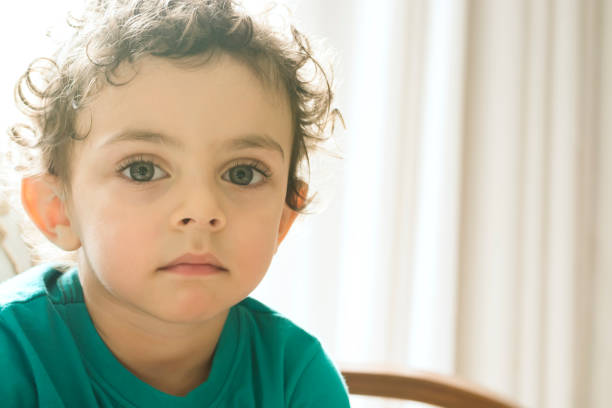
(193, 269)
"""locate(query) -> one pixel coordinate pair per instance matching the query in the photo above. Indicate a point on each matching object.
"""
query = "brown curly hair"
(111, 32)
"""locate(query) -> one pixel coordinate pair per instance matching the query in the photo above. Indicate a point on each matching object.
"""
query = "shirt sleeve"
(320, 385)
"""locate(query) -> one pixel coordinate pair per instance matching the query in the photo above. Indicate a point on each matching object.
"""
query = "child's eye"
(142, 171)
(247, 174)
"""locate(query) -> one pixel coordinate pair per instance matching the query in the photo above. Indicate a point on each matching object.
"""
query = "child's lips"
(194, 262)
(193, 269)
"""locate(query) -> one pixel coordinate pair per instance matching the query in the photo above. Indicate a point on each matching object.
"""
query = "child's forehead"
(154, 77)
(219, 95)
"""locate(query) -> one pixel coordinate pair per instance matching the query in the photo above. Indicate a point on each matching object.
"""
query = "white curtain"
(467, 229)
(472, 215)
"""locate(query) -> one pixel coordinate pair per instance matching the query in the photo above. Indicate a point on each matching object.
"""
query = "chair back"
(429, 388)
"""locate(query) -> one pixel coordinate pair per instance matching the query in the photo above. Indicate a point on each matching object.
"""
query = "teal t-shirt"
(52, 356)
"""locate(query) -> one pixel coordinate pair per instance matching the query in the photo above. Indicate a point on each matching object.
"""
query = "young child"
(169, 136)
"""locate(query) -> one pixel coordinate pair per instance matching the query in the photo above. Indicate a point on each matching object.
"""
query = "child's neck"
(173, 365)
(173, 358)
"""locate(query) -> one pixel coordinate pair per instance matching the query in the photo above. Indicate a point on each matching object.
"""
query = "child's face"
(203, 191)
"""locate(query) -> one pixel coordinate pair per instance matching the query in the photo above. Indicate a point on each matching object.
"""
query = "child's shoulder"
(37, 282)
(309, 376)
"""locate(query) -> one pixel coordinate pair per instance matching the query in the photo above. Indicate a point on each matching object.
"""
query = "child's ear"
(289, 215)
(41, 199)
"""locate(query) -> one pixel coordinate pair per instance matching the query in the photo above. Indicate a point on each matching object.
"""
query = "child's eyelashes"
(246, 173)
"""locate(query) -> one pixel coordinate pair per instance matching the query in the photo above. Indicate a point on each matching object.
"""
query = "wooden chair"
(434, 389)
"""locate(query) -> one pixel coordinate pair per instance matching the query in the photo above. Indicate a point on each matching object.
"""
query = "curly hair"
(111, 32)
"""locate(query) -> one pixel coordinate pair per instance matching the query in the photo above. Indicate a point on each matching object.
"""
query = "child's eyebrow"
(262, 141)
(247, 141)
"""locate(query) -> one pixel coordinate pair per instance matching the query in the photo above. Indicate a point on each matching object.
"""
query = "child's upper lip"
(196, 259)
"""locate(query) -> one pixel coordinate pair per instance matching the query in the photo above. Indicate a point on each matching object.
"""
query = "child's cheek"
(120, 239)
(255, 243)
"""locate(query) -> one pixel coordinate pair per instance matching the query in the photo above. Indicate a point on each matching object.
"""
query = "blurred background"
(467, 230)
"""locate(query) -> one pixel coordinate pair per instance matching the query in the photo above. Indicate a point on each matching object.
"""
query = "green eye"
(142, 171)
(244, 175)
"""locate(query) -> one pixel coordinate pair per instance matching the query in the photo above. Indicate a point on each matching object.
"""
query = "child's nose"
(199, 208)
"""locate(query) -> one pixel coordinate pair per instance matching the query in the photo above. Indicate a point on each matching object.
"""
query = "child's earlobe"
(41, 199)
(289, 215)
(287, 219)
